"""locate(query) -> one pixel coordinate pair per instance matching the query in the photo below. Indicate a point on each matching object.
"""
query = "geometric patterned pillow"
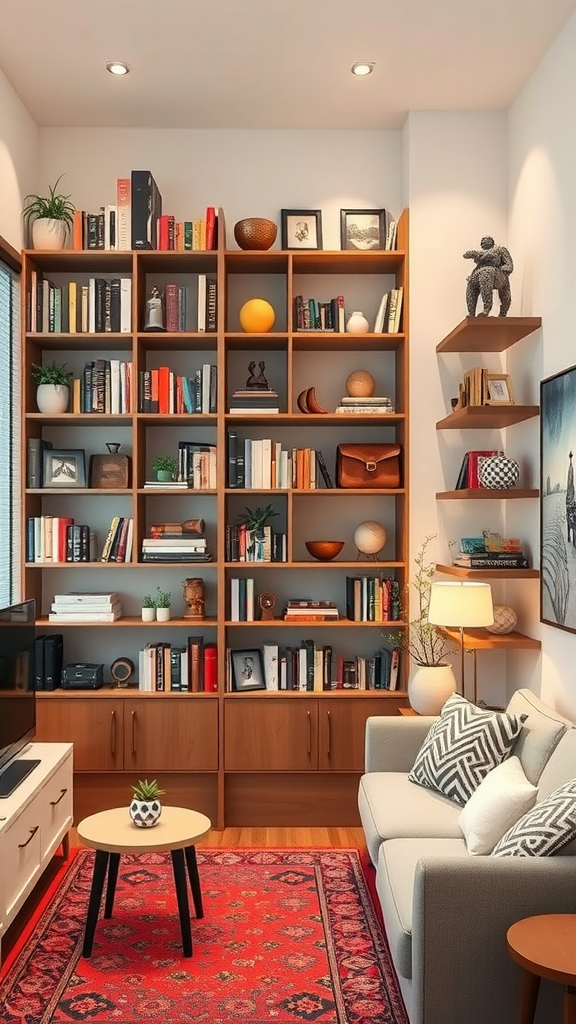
(462, 746)
(545, 829)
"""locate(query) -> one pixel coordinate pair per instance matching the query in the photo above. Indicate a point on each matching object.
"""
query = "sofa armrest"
(461, 912)
(391, 743)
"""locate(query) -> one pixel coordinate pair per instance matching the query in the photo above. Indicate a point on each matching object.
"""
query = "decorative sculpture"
(257, 381)
(194, 596)
(491, 273)
(154, 315)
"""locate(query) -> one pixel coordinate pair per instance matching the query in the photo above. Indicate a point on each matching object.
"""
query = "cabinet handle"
(54, 803)
(329, 745)
(133, 732)
(112, 733)
(33, 832)
(309, 733)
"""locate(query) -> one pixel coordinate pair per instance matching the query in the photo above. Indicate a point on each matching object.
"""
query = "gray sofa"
(446, 912)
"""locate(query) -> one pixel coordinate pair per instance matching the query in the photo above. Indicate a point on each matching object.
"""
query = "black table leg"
(182, 897)
(190, 854)
(100, 865)
(113, 866)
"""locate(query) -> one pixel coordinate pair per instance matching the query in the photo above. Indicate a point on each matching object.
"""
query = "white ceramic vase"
(357, 323)
(429, 688)
(163, 614)
(148, 614)
(52, 398)
(48, 234)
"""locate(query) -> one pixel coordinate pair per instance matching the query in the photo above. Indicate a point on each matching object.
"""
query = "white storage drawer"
(22, 856)
(56, 809)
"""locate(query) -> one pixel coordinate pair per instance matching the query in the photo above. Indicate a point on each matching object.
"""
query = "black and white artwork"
(558, 500)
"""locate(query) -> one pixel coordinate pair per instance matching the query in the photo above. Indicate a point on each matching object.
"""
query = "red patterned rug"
(287, 936)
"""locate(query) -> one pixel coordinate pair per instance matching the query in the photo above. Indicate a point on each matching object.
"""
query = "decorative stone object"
(369, 538)
(145, 813)
(505, 620)
(498, 472)
(357, 323)
(257, 316)
(360, 384)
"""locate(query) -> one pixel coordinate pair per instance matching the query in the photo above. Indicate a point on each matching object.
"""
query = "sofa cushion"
(502, 797)
(462, 746)
(561, 767)
(391, 807)
(397, 862)
(545, 829)
(540, 734)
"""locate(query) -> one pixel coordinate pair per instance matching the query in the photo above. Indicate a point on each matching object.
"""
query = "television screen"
(17, 697)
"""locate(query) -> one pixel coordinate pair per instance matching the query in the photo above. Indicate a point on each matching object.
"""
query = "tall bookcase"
(243, 758)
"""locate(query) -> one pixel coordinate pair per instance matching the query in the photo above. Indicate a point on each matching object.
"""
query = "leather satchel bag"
(368, 465)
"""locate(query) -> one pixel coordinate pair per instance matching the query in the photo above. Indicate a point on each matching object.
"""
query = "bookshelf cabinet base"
(99, 791)
(292, 800)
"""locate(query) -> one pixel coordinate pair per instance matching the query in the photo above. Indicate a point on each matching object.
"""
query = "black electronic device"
(82, 676)
(17, 692)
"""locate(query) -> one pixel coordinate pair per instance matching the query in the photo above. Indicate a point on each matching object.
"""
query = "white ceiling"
(269, 63)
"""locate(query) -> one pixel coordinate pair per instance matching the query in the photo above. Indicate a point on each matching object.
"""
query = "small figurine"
(194, 596)
(154, 316)
(492, 272)
(257, 381)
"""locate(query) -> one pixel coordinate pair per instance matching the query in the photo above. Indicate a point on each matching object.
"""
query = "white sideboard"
(34, 820)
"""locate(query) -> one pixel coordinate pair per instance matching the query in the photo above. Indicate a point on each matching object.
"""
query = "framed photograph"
(64, 467)
(558, 500)
(362, 229)
(247, 670)
(499, 389)
(301, 229)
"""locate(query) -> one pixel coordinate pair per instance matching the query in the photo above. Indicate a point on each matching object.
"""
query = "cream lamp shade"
(461, 604)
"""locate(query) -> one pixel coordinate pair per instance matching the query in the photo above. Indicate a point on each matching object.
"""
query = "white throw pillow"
(501, 799)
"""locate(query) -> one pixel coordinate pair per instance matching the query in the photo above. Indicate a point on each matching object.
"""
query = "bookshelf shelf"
(488, 574)
(482, 640)
(487, 494)
(488, 334)
(487, 417)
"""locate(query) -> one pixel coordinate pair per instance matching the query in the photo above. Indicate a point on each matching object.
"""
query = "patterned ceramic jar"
(498, 472)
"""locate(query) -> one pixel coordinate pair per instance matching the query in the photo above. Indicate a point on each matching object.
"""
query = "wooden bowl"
(255, 233)
(324, 550)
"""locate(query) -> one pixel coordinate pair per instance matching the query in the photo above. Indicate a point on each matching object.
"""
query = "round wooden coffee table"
(112, 833)
(545, 946)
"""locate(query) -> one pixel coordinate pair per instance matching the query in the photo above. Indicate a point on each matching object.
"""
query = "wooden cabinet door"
(341, 726)
(169, 734)
(271, 735)
(94, 725)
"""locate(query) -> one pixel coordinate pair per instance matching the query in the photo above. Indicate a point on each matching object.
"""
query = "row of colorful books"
(262, 463)
(192, 668)
(309, 667)
(106, 386)
(244, 545)
(55, 539)
(101, 306)
(160, 390)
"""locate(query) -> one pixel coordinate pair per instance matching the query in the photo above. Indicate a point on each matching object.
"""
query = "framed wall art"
(499, 389)
(64, 467)
(362, 229)
(247, 670)
(558, 500)
(301, 229)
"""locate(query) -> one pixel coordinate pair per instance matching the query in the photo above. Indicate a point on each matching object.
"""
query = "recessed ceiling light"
(117, 67)
(363, 67)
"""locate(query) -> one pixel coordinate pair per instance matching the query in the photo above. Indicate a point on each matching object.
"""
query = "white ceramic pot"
(48, 234)
(145, 813)
(148, 614)
(163, 614)
(357, 323)
(52, 398)
(429, 688)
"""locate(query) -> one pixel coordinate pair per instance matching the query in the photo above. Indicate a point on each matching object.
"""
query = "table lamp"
(461, 604)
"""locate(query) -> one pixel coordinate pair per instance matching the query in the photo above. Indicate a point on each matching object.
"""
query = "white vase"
(163, 614)
(429, 688)
(148, 614)
(52, 398)
(48, 234)
(357, 323)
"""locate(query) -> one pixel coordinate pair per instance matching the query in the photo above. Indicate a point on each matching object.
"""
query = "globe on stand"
(369, 538)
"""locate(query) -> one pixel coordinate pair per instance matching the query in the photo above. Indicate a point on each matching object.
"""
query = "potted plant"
(255, 520)
(163, 602)
(51, 217)
(148, 608)
(165, 467)
(53, 386)
(433, 680)
(145, 808)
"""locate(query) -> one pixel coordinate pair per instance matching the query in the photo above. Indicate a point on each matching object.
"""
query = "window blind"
(10, 461)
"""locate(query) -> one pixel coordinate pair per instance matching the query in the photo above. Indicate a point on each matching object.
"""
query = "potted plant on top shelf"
(51, 218)
(53, 386)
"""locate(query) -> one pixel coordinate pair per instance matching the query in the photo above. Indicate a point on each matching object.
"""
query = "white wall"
(18, 161)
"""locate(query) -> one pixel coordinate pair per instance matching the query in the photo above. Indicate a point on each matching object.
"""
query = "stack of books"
(374, 404)
(491, 551)
(251, 400)
(176, 547)
(304, 609)
(86, 606)
(118, 544)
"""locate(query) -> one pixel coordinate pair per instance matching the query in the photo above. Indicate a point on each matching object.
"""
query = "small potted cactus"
(148, 608)
(163, 602)
(145, 809)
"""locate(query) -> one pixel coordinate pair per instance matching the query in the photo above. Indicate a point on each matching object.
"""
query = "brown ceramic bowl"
(255, 233)
(324, 550)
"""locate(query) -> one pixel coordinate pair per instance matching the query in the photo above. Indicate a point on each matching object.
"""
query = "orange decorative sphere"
(360, 384)
(257, 316)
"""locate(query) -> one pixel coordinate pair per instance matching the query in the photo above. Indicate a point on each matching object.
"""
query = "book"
(146, 210)
(78, 616)
(100, 597)
(324, 470)
(210, 668)
(36, 448)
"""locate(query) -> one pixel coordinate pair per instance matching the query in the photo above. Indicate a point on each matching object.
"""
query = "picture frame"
(499, 389)
(301, 229)
(363, 229)
(64, 467)
(558, 500)
(247, 670)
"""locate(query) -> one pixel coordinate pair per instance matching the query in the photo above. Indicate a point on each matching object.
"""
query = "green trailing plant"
(51, 373)
(54, 206)
(165, 464)
(420, 640)
(256, 519)
(148, 601)
(163, 598)
(144, 790)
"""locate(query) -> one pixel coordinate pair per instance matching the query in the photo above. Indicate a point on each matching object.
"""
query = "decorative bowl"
(324, 550)
(255, 233)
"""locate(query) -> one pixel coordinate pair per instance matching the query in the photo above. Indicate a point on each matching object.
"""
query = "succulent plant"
(163, 598)
(144, 790)
(148, 601)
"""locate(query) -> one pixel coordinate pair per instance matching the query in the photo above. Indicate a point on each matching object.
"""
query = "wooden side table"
(545, 947)
(112, 833)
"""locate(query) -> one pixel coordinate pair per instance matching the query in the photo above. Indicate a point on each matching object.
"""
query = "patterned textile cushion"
(545, 829)
(462, 746)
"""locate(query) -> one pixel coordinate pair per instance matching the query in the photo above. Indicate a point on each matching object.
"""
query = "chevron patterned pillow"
(462, 746)
(545, 829)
